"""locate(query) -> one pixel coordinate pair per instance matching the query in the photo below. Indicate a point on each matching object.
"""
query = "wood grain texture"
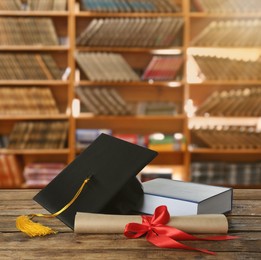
(244, 221)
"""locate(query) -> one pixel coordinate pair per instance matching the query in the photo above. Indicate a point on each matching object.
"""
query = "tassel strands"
(32, 229)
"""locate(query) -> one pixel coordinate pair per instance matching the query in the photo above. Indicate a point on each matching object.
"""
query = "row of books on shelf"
(230, 33)
(154, 141)
(108, 101)
(27, 100)
(103, 101)
(130, 6)
(227, 137)
(38, 135)
(223, 68)
(33, 175)
(132, 32)
(33, 5)
(234, 102)
(10, 172)
(27, 31)
(225, 173)
(37, 175)
(53, 135)
(150, 172)
(3, 141)
(23, 66)
(226, 6)
(103, 66)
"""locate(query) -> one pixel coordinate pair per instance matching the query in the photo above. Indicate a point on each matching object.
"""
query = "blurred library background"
(181, 77)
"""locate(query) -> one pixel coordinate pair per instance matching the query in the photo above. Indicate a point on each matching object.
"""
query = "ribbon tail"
(167, 242)
(178, 234)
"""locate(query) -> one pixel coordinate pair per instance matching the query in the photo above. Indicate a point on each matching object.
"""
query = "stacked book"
(234, 102)
(223, 173)
(226, 6)
(98, 66)
(27, 31)
(39, 135)
(230, 33)
(138, 139)
(214, 68)
(229, 137)
(158, 108)
(103, 101)
(84, 137)
(10, 172)
(27, 100)
(40, 5)
(38, 175)
(132, 32)
(3, 141)
(166, 142)
(24, 66)
(163, 6)
(151, 172)
(161, 68)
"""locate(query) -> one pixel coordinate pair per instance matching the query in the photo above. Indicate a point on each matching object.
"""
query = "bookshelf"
(188, 89)
(214, 27)
(29, 81)
(137, 55)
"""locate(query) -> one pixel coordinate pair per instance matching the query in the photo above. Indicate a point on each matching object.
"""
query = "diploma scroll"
(103, 223)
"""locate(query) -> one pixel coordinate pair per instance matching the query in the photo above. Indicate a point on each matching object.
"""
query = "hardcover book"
(185, 198)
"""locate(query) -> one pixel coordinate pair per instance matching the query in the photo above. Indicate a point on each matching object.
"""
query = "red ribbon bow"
(161, 235)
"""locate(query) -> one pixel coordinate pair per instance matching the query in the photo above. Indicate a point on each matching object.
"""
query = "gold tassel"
(32, 229)
(26, 225)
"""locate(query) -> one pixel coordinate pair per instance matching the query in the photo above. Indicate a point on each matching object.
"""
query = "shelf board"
(35, 151)
(215, 120)
(34, 48)
(226, 82)
(245, 48)
(223, 15)
(34, 117)
(79, 150)
(224, 151)
(124, 14)
(34, 13)
(34, 82)
(133, 83)
(91, 117)
(176, 50)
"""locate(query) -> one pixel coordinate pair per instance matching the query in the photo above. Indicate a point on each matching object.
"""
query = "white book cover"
(185, 198)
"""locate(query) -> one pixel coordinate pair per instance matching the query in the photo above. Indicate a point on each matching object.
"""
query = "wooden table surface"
(244, 221)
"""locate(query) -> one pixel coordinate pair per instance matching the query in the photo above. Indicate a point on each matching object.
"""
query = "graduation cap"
(102, 179)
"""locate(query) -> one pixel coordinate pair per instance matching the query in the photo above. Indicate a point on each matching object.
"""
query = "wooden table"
(244, 221)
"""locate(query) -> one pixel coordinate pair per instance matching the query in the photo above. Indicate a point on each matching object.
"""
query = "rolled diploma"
(103, 223)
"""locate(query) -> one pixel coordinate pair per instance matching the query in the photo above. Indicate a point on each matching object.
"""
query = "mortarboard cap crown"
(113, 188)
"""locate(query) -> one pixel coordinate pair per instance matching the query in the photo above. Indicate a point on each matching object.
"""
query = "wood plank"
(81, 254)
(247, 242)
(253, 194)
(236, 224)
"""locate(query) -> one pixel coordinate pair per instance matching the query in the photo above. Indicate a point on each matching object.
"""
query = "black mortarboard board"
(113, 188)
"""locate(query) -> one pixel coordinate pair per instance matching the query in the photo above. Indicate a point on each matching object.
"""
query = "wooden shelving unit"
(61, 89)
(138, 58)
(200, 90)
(69, 24)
